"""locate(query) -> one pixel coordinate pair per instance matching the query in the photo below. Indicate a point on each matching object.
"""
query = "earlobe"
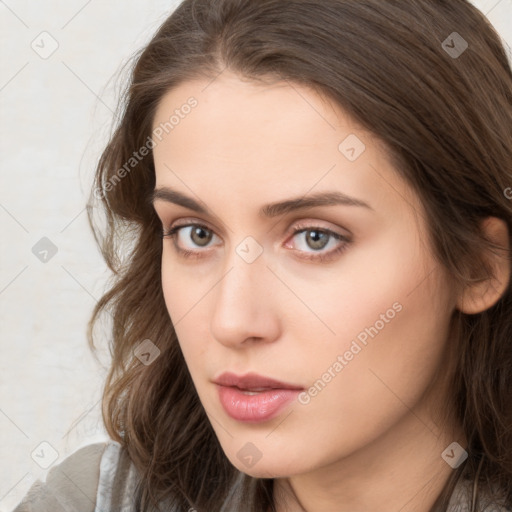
(482, 295)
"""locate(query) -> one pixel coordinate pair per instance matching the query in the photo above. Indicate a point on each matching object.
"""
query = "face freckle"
(354, 330)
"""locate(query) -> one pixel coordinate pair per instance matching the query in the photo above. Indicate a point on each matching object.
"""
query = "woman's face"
(308, 263)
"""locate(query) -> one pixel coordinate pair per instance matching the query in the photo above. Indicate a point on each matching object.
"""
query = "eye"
(187, 238)
(310, 242)
(317, 243)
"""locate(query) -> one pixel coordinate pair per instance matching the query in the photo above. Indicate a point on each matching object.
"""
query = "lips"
(252, 382)
(254, 398)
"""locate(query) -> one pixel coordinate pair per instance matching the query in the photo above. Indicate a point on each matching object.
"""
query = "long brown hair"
(441, 103)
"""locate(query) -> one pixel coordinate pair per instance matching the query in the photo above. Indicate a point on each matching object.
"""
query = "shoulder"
(117, 480)
(84, 481)
(489, 499)
(70, 485)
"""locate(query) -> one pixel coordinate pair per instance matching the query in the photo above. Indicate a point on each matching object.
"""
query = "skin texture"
(376, 425)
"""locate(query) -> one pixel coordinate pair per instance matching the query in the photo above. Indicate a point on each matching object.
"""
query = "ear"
(482, 295)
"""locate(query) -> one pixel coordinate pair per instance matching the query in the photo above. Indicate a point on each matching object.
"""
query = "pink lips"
(268, 396)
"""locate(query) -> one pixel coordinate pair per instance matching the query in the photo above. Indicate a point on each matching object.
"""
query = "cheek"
(184, 284)
(182, 294)
(376, 381)
(371, 279)
(388, 310)
(391, 314)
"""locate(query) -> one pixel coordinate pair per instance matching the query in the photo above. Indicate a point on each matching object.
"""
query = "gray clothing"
(101, 478)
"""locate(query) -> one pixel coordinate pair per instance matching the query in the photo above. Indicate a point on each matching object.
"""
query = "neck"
(403, 469)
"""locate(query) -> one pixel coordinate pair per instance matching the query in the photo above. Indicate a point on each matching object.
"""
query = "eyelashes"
(312, 237)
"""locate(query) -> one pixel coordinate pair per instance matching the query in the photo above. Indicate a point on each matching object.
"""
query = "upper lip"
(252, 381)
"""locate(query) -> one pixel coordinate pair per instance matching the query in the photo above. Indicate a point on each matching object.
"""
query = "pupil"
(317, 239)
(200, 236)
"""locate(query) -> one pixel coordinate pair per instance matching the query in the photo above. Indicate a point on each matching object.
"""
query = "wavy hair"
(446, 120)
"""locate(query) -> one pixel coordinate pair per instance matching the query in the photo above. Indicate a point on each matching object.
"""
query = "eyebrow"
(270, 210)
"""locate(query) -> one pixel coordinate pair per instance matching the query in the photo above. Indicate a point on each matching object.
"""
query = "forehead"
(234, 115)
(278, 139)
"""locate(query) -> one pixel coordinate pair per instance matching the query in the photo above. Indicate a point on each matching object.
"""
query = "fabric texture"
(70, 486)
(101, 478)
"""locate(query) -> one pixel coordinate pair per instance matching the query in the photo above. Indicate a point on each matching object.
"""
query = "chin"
(265, 469)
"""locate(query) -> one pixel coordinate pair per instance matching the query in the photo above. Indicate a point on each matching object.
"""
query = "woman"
(312, 308)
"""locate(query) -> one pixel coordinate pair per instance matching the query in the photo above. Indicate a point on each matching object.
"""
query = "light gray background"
(56, 114)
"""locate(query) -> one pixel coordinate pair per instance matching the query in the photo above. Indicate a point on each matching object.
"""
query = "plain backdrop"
(59, 60)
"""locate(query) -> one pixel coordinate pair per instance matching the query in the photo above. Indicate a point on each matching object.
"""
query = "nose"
(244, 306)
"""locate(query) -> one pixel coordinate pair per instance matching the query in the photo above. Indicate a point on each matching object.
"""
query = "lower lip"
(254, 408)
